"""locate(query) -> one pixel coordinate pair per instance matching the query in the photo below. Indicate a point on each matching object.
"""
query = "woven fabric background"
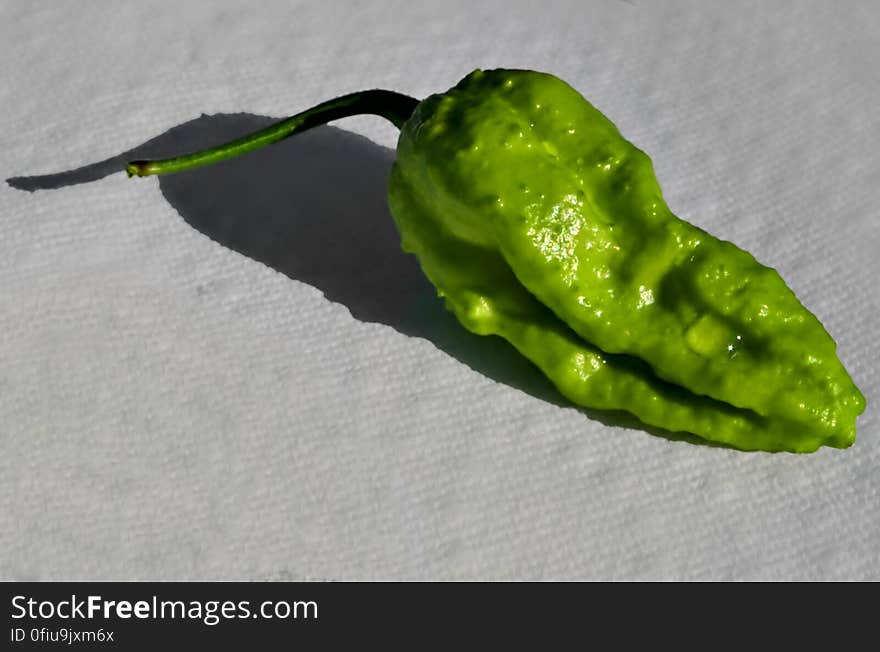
(234, 373)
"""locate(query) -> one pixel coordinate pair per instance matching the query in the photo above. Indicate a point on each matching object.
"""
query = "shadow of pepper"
(314, 208)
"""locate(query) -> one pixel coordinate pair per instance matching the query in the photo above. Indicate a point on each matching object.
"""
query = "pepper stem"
(392, 106)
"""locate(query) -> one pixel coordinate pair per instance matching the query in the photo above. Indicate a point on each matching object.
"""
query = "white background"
(235, 373)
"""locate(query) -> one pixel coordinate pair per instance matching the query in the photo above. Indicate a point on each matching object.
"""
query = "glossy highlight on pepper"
(539, 223)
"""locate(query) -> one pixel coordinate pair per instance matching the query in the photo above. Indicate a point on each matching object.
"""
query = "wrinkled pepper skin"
(538, 222)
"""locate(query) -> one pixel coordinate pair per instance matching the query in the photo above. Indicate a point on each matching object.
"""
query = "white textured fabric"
(234, 373)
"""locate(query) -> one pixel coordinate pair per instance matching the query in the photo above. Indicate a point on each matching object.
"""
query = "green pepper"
(538, 222)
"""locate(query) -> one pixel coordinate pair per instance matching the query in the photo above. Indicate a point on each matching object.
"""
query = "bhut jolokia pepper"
(538, 222)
